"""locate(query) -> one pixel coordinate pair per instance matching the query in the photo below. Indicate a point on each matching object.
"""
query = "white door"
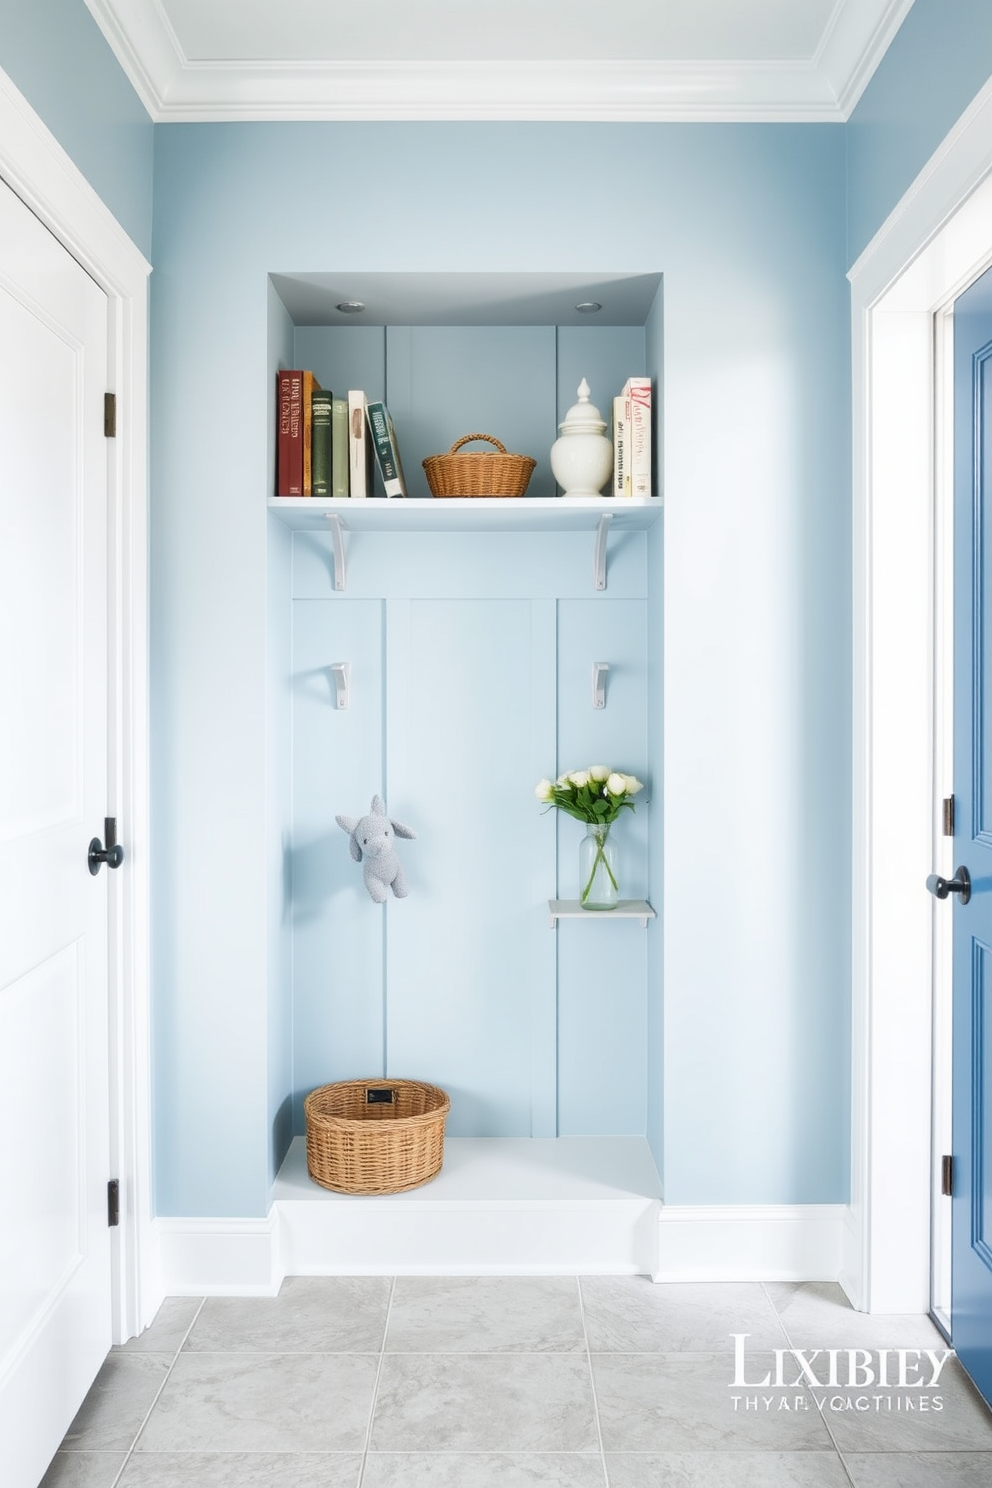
(55, 1300)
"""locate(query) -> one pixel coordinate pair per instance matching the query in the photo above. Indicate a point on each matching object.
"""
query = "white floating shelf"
(627, 909)
(467, 514)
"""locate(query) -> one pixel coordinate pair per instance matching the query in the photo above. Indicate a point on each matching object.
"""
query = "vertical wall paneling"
(278, 837)
(544, 1007)
(465, 950)
(337, 768)
(343, 357)
(655, 692)
(446, 381)
(602, 1071)
(471, 658)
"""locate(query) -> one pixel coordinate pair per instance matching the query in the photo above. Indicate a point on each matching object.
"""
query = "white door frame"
(35, 166)
(936, 242)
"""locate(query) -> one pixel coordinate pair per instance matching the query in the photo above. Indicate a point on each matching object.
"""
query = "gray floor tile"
(311, 1315)
(120, 1397)
(484, 1403)
(909, 1420)
(726, 1470)
(687, 1403)
(817, 1314)
(923, 1470)
(242, 1470)
(83, 1470)
(484, 1470)
(263, 1403)
(630, 1314)
(485, 1314)
(165, 1334)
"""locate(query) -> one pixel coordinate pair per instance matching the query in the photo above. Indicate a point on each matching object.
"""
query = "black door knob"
(112, 854)
(959, 884)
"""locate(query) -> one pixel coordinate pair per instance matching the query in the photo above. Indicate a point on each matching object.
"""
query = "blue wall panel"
(338, 766)
(747, 225)
(469, 951)
(448, 381)
(602, 1067)
(494, 565)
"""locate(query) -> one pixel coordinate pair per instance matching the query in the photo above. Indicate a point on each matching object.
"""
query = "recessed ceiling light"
(351, 307)
(588, 307)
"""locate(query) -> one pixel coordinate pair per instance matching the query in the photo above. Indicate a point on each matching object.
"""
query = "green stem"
(599, 858)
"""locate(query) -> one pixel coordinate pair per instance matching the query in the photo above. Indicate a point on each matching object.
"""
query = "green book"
(320, 442)
(386, 449)
(339, 447)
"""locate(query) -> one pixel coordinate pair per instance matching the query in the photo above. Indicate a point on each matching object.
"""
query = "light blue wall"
(55, 53)
(747, 224)
(939, 59)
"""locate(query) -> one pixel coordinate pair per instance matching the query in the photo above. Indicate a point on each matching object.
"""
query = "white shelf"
(626, 909)
(529, 1206)
(467, 514)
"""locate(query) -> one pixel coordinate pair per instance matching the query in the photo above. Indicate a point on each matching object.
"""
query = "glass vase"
(598, 870)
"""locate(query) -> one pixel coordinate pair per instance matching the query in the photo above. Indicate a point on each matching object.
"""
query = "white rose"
(633, 784)
(579, 777)
(562, 780)
(599, 772)
(544, 790)
(617, 784)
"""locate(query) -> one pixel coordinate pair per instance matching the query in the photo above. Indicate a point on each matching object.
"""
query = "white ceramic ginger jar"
(582, 455)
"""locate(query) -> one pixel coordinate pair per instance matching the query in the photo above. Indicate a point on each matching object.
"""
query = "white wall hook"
(599, 553)
(340, 569)
(341, 672)
(599, 671)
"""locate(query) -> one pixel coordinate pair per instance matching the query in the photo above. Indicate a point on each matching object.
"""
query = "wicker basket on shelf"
(480, 473)
(375, 1136)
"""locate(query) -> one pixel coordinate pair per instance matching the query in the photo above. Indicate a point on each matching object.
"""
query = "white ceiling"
(514, 59)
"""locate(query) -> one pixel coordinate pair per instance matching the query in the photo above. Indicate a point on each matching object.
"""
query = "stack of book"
(330, 447)
(632, 440)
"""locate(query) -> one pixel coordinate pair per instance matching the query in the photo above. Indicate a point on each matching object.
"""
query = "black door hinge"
(947, 1176)
(113, 1202)
(110, 415)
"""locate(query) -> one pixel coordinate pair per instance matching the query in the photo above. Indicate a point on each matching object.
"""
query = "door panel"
(971, 1262)
(54, 1113)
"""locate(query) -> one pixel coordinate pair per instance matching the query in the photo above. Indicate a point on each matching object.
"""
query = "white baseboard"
(218, 1257)
(761, 1242)
(566, 1206)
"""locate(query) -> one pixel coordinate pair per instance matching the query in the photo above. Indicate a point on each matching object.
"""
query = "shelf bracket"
(341, 673)
(340, 567)
(599, 554)
(599, 671)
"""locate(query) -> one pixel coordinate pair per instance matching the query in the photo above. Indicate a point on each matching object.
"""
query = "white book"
(359, 446)
(638, 390)
(621, 445)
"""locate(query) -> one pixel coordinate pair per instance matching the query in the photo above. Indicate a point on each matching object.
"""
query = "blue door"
(971, 1273)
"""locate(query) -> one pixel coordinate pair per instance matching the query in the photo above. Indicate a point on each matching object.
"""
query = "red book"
(289, 432)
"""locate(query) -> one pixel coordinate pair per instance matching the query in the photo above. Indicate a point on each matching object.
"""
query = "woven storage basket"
(481, 473)
(375, 1136)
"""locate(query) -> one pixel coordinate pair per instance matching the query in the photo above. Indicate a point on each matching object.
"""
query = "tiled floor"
(366, 1382)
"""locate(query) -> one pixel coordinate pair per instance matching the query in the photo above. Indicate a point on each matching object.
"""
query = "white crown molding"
(175, 89)
(856, 39)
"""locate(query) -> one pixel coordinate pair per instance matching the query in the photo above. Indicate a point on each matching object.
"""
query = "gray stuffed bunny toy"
(372, 841)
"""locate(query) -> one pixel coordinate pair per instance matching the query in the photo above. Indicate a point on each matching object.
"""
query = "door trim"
(36, 167)
(934, 243)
